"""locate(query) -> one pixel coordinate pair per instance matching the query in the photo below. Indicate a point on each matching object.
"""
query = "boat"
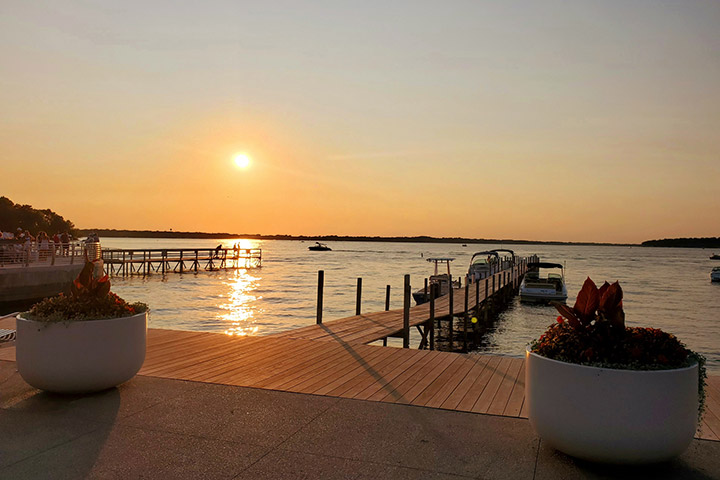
(483, 264)
(714, 256)
(319, 247)
(506, 261)
(715, 274)
(538, 288)
(443, 280)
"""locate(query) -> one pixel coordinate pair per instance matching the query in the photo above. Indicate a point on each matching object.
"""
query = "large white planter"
(613, 416)
(80, 357)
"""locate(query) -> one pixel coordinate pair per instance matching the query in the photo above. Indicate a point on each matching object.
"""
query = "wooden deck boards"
(472, 383)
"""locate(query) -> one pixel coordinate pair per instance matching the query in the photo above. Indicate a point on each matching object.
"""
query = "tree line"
(706, 242)
(14, 216)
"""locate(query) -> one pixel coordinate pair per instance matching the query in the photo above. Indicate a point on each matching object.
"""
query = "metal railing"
(25, 254)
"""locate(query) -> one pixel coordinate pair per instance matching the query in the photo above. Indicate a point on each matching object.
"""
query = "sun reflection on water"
(241, 306)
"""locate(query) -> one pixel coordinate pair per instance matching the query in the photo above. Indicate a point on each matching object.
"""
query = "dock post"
(358, 299)
(465, 317)
(406, 312)
(124, 265)
(425, 289)
(485, 302)
(144, 265)
(387, 298)
(433, 292)
(321, 281)
(451, 308)
(477, 298)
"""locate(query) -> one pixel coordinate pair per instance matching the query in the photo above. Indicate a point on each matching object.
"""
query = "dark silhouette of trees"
(14, 215)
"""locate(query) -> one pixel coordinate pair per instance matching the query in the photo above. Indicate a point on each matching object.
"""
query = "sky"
(543, 120)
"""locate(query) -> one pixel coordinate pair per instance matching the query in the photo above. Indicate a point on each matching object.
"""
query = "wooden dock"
(465, 302)
(487, 384)
(148, 261)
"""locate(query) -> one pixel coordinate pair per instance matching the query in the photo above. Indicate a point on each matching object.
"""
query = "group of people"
(17, 246)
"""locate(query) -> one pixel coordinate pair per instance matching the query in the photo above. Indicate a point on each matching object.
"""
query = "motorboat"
(537, 287)
(483, 264)
(714, 256)
(506, 261)
(715, 274)
(443, 280)
(319, 247)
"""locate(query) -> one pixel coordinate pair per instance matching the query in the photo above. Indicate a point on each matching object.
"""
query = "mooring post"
(321, 281)
(406, 312)
(485, 302)
(477, 298)
(359, 296)
(433, 293)
(425, 289)
(144, 268)
(451, 308)
(387, 298)
(465, 318)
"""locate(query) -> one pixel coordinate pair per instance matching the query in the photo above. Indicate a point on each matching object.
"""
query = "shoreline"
(113, 233)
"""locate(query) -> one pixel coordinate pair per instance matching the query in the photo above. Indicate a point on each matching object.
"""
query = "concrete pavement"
(171, 429)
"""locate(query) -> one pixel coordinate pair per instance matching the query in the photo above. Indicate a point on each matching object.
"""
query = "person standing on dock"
(217, 251)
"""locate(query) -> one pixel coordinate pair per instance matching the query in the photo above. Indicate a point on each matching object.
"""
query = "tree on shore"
(14, 215)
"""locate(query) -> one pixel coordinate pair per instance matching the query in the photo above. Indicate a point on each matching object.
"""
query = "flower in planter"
(593, 333)
(90, 299)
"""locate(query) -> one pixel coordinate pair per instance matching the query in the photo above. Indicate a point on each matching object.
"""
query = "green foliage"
(13, 216)
(90, 299)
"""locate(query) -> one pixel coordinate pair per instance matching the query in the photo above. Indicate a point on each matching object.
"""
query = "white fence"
(18, 254)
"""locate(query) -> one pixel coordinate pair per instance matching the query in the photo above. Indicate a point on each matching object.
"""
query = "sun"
(242, 160)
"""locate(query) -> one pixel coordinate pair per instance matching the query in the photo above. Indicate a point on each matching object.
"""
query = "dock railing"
(179, 260)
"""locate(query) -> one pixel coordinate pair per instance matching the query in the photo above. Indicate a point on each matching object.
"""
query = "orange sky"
(531, 120)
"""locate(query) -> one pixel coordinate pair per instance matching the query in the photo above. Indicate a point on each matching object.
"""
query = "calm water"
(664, 288)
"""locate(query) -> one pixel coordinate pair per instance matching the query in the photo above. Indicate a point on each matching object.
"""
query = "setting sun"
(242, 160)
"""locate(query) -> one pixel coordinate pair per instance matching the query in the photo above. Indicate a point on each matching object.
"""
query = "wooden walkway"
(486, 384)
(168, 260)
(371, 327)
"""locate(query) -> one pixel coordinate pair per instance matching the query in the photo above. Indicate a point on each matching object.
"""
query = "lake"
(664, 288)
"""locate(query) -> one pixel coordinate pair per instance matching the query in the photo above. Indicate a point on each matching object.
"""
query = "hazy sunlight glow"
(242, 160)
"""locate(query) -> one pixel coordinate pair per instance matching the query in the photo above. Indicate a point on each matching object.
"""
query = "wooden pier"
(148, 261)
(474, 300)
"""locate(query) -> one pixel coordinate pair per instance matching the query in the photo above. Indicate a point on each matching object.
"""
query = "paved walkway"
(172, 429)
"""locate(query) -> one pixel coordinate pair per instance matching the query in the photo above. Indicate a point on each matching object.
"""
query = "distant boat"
(319, 247)
(715, 275)
(715, 256)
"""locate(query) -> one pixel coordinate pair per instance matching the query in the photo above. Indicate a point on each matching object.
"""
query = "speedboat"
(319, 247)
(543, 288)
(715, 256)
(715, 274)
(483, 264)
(443, 281)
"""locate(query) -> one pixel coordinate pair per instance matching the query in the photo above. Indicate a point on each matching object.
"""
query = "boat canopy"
(544, 265)
(503, 250)
(487, 252)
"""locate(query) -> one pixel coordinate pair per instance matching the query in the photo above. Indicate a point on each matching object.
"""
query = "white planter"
(80, 357)
(613, 416)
